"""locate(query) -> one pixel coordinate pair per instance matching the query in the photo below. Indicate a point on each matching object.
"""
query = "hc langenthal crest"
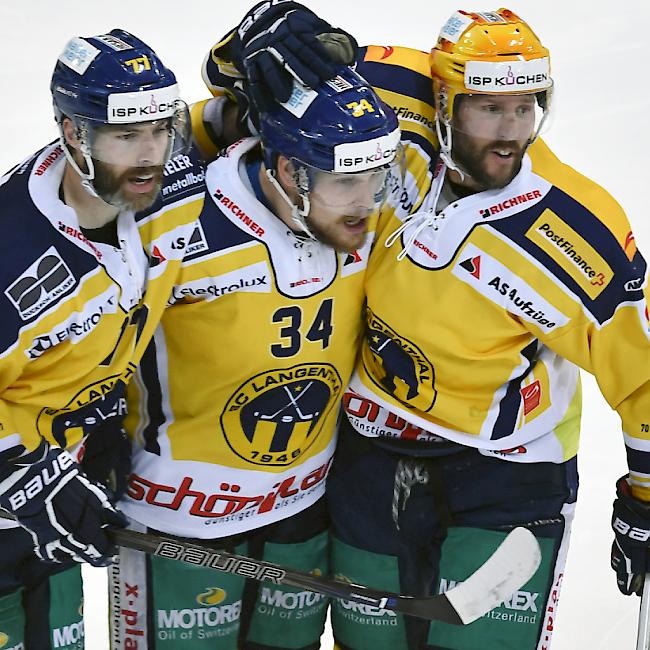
(398, 366)
(274, 417)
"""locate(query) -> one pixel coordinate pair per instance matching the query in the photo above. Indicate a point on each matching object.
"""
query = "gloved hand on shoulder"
(278, 42)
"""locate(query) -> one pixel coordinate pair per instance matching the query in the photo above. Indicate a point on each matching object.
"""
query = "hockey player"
(84, 281)
(463, 414)
(234, 407)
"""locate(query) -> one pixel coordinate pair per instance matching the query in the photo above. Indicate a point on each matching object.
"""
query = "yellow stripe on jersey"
(202, 138)
(567, 431)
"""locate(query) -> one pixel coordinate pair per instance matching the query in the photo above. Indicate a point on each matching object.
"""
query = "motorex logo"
(522, 602)
(185, 619)
(69, 636)
(289, 600)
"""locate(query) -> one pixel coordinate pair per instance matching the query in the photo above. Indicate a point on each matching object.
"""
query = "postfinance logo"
(575, 255)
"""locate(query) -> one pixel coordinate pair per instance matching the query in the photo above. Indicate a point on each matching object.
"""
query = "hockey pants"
(418, 525)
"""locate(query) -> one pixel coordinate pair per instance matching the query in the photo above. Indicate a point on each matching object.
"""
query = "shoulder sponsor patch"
(500, 285)
(575, 255)
(74, 328)
(254, 278)
(44, 282)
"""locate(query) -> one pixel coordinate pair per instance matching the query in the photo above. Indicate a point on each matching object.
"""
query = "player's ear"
(70, 133)
(285, 171)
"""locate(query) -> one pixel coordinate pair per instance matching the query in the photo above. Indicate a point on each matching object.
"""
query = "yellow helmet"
(488, 53)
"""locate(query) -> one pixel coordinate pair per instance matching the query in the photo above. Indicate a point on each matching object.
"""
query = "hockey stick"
(643, 634)
(506, 570)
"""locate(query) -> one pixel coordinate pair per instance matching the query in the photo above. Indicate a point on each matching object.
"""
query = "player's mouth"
(356, 224)
(141, 183)
(503, 155)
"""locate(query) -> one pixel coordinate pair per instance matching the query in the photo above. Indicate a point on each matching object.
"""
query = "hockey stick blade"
(506, 570)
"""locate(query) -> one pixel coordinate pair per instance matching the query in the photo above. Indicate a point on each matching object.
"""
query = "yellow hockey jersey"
(234, 408)
(476, 334)
(77, 314)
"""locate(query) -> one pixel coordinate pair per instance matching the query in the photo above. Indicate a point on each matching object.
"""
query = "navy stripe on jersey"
(638, 461)
(155, 416)
(506, 421)
(395, 78)
(220, 233)
(28, 237)
(593, 231)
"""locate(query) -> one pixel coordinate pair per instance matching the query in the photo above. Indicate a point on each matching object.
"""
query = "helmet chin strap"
(298, 215)
(445, 148)
(86, 177)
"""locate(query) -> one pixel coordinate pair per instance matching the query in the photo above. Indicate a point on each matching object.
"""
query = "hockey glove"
(106, 457)
(281, 41)
(631, 524)
(64, 512)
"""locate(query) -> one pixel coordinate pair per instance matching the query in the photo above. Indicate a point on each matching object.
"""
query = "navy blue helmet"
(112, 78)
(342, 126)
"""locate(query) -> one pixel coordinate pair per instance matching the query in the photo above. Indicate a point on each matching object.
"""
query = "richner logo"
(510, 203)
(273, 418)
(573, 253)
(231, 206)
(48, 161)
(398, 366)
(44, 282)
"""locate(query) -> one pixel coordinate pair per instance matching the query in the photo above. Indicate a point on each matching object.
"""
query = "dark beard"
(109, 186)
(470, 160)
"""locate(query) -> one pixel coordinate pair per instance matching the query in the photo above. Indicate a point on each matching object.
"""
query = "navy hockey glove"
(65, 513)
(631, 524)
(281, 40)
(106, 457)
